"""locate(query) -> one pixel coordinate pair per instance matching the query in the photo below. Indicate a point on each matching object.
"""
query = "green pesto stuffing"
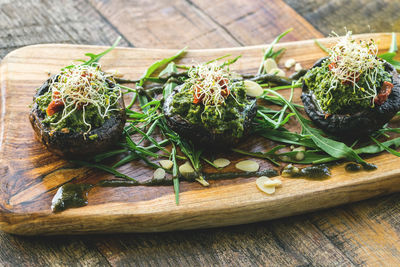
(74, 122)
(229, 117)
(343, 98)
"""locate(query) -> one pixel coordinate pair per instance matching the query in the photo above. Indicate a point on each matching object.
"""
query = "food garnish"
(221, 162)
(159, 174)
(268, 185)
(247, 166)
(166, 164)
(83, 89)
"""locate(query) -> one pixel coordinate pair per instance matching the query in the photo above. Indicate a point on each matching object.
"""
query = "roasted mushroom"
(351, 93)
(78, 112)
(210, 109)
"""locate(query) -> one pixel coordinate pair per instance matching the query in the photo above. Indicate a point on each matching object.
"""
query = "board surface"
(30, 175)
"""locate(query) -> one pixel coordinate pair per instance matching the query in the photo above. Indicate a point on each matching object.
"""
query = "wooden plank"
(367, 232)
(26, 22)
(164, 24)
(259, 22)
(48, 251)
(233, 246)
(358, 16)
(27, 189)
(199, 24)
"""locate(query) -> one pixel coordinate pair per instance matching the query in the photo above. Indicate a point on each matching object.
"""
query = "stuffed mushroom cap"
(356, 124)
(78, 144)
(202, 135)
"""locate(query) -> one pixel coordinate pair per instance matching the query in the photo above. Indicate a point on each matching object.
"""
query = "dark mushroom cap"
(360, 123)
(75, 144)
(201, 135)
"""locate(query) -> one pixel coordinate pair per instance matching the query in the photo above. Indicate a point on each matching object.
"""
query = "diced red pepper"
(54, 107)
(384, 93)
(225, 92)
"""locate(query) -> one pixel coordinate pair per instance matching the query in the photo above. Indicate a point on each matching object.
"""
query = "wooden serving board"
(30, 175)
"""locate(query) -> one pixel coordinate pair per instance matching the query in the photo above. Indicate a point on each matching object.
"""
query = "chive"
(175, 177)
(387, 148)
(104, 168)
(126, 159)
(211, 163)
(219, 58)
(320, 45)
(151, 139)
(134, 96)
(393, 45)
(108, 154)
(230, 61)
(135, 148)
(127, 88)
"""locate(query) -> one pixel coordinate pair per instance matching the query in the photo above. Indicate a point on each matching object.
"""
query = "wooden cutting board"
(30, 175)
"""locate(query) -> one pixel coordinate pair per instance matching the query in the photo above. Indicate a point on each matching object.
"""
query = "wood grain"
(358, 16)
(27, 22)
(29, 185)
(197, 24)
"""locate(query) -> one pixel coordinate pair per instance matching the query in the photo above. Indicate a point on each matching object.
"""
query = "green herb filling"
(226, 118)
(342, 98)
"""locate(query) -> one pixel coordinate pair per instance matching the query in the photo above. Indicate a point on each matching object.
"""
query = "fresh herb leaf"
(332, 147)
(104, 168)
(156, 65)
(95, 58)
(320, 45)
(175, 176)
(270, 52)
(393, 45)
(389, 56)
(387, 148)
(170, 68)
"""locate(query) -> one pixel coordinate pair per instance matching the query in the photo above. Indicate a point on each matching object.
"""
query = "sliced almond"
(247, 166)
(290, 63)
(166, 164)
(186, 169)
(272, 183)
(284, 158)
(299, 155)
(253, 88)
(261, 181)
(298, 67)
(278, 72)
(269, 64)
(300, 148)
(159, 174)
(221, 162)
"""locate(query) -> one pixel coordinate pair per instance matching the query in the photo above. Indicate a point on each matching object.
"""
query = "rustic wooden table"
(364, 233)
